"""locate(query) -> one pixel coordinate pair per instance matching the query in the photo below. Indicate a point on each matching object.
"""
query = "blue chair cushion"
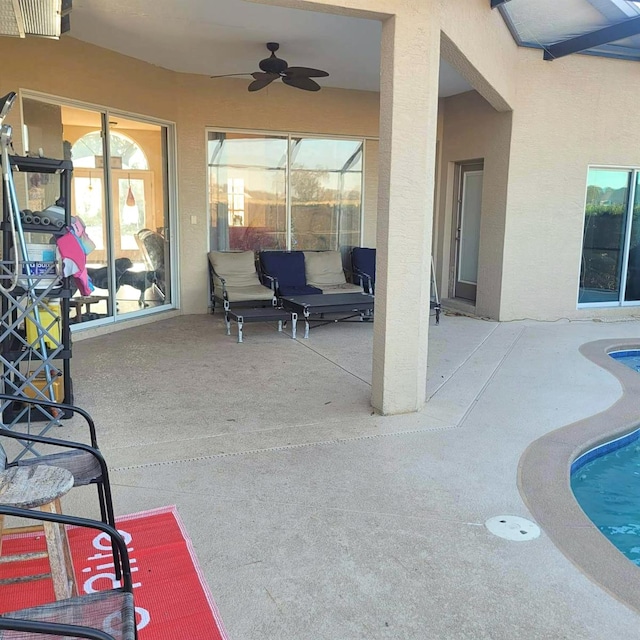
(286, 266)
(364, 260)
(293, 290)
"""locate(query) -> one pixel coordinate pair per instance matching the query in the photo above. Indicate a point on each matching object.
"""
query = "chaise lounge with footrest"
(236, 286)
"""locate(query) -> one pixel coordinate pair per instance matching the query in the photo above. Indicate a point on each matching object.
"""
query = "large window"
(284, 192)
(610, 270)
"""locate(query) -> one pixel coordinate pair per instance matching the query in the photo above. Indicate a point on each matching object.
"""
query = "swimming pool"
(606, 483)
(629, 358)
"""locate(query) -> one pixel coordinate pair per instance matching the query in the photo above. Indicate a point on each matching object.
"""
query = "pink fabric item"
(74, 261)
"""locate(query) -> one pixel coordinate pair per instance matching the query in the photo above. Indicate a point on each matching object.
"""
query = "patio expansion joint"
(333, 362)
(464, 362)
(286, 447)
(472, 405)
(250, 432)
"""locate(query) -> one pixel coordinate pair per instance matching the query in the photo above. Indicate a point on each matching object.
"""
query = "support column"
(408, 125)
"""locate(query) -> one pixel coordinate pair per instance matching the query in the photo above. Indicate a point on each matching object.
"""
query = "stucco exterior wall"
(472, 130)
(477, 43)
(75, 70)
(569, 113)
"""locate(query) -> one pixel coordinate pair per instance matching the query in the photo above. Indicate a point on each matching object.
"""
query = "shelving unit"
(34, 330)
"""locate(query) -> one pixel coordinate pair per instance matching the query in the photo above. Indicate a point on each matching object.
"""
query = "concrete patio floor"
(312, 517)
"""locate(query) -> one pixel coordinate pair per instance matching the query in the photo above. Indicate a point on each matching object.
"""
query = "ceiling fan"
(274, 68)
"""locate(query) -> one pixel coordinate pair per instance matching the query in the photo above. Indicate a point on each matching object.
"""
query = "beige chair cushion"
(346, 287)
(238, 268)
(242, 294)
(323, 268)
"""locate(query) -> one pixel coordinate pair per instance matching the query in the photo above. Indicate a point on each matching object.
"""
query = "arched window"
(85, 150)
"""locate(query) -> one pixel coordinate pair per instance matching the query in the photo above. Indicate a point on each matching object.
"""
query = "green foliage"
(605, 210)
(594, 193)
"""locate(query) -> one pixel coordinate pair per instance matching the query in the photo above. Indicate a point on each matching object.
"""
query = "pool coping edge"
(544, 479)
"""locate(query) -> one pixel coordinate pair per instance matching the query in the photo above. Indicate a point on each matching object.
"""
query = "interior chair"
(152, 247)
(85, 462)
(102, 615)
(363, 266)
(324, 270)
(235, 281)
(284, 272)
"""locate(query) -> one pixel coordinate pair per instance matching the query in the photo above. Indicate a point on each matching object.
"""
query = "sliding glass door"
(119, 191)
(610, 267)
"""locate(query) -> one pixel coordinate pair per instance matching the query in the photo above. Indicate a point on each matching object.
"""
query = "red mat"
(171, 596)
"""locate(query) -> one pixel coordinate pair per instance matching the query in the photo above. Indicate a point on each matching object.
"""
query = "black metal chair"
(85, 462)
(104, 615)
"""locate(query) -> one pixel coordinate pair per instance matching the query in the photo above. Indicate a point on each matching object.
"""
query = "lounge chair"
(235, 282)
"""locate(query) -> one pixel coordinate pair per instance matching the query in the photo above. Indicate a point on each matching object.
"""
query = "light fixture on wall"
(131, 201)
(44, 18)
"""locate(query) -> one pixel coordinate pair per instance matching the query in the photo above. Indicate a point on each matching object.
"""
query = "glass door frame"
(461, 289)
(170, 181)
(621, 302)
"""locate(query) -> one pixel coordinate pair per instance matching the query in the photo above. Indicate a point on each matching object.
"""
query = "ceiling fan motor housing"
(273, 64)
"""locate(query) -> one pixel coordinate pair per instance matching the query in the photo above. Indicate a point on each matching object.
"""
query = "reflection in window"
(610, 269)
(125, 153)
(235, 200)
(269, 192)
(632, 289)
(326, 193)
(247, 191)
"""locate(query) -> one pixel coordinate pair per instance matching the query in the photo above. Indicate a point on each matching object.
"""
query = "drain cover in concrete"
(513, 528)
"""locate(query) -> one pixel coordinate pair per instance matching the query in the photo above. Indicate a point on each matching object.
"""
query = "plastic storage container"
(50, 319)
(40, 382)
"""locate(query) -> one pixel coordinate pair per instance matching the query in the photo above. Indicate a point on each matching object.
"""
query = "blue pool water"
(608, 490)
(606, 483)
(629, 358)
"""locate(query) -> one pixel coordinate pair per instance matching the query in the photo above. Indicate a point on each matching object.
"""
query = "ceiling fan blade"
(229, 75)
(306, 71)
(301, 82)
(261, 80)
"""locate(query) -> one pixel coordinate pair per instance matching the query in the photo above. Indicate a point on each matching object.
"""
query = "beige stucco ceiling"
(213, 37)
